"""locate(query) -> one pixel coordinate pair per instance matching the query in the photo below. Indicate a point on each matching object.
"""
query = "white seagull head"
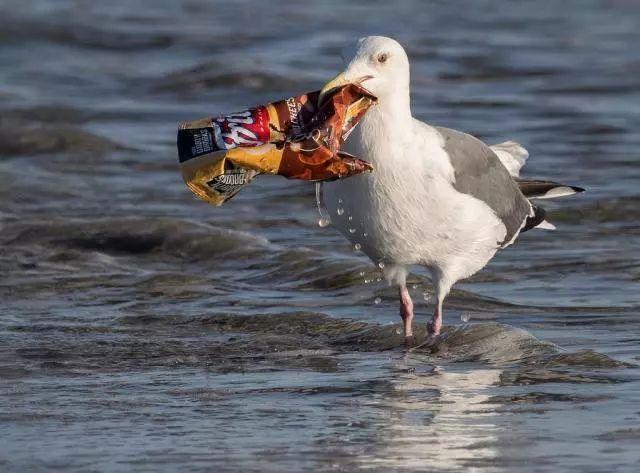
(380, 65)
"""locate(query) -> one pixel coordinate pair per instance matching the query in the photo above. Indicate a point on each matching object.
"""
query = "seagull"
(437, 197)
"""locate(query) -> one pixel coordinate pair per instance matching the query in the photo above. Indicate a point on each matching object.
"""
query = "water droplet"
(380, 265)
(324, 218)
(352, 230)
(377, 300)
(357, 247)
(340, 210)
(350, 218)
(426, 296)
(465, 317)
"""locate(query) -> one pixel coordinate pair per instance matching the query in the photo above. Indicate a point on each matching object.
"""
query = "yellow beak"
(334, 83)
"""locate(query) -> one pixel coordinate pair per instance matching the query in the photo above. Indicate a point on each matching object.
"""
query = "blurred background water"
(142, 330)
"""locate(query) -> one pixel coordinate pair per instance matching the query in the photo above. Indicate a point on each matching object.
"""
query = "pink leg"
(434, 326)
(406, 311)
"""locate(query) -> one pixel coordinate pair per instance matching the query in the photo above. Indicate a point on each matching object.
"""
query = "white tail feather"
(512, 155)
(544, 225)
(559, 191)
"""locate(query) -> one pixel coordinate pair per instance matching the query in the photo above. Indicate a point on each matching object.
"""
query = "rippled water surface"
(142, 330)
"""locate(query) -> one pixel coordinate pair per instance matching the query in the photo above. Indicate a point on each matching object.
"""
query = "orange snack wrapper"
(296, 138)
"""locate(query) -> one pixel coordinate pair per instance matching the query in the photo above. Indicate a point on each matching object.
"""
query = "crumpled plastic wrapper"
(296, 138)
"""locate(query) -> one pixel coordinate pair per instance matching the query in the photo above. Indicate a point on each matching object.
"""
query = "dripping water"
(324, 220)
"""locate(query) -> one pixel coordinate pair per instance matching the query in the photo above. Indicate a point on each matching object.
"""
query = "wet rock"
(632, 434)
(585, 359)
(543, 398)
(490, 342)
(212, 75)
(531, 376)
(19, 141)
(135, 235)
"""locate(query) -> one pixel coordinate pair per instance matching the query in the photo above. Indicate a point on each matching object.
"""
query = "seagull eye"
(382, 58)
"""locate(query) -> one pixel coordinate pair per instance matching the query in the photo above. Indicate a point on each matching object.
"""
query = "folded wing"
(513, 156)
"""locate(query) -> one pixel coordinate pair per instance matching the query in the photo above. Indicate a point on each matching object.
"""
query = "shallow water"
(143, 330)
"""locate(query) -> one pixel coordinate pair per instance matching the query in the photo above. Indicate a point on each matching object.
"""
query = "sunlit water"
(142, 330)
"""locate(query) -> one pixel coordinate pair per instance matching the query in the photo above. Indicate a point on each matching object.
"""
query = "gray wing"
(480, 173)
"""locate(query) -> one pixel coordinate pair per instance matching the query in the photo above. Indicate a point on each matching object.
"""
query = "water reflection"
(435, 420)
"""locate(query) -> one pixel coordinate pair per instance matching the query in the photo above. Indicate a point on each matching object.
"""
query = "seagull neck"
(395, 109)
